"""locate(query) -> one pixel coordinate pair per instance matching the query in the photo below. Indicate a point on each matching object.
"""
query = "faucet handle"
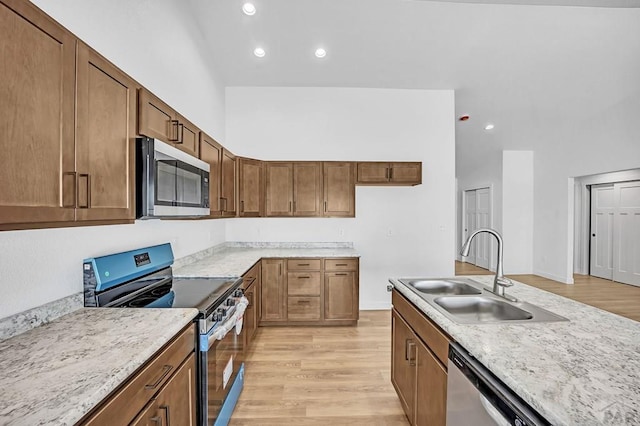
(504, 282)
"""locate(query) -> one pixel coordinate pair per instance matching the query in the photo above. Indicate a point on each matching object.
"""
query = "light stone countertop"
(56, 373)
(583, 372)
(235, 261)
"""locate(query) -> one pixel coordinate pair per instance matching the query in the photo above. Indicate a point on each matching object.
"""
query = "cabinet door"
(250, 188)
(431, 389)
(37, 83)
(151, 415)
(228, 184)
(279, 192)
(105, 139)
(373, 172)
(339, 190)
(187, 138)
(403, 363)
(340, 296)
(249, 321)
(211, 152)
(177, 400)
(155, 118)
(406, 173)
(274, 293)
(307, 188)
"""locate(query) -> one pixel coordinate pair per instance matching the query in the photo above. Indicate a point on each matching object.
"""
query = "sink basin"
(441, 286)
(482, 309)
(466, 301)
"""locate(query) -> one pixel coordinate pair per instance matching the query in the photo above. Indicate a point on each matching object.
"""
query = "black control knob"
(231, 302)
(238, 293)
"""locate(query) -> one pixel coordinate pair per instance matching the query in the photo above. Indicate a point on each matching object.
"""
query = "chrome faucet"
(500, 281)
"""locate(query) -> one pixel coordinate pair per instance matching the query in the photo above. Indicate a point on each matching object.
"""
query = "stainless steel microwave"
(170, 182)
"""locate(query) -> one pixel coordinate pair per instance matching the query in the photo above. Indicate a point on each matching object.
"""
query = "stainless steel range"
(143, 278)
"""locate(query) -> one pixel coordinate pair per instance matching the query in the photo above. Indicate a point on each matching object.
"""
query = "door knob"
(593, 235)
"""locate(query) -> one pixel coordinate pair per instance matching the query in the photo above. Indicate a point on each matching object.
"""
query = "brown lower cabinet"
(252, 285)
(418, 364)
(307, 291)
(162, 392)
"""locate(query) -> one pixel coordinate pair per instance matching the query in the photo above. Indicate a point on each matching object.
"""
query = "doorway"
(615, 232)
(477, 214)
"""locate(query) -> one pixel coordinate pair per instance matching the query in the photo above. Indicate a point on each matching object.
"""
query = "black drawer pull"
(342, 264)
(165, 370)
(303, 264)
(306, 277)
(341, 275)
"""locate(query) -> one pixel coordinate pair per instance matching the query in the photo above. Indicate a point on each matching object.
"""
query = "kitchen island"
(57, 373)
(582, 372)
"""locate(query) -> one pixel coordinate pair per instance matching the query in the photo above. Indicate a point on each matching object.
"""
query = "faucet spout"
(500, 281)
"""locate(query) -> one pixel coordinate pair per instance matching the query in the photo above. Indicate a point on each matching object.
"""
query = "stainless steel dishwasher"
(475, 396)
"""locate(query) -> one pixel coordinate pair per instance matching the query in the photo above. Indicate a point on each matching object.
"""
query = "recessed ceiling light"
(259, 52)
(249, 9)
(321, 53)
(489, 126)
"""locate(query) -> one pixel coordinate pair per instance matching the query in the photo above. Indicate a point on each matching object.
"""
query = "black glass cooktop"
(204, 294)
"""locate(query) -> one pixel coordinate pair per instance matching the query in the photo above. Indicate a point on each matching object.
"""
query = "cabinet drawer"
(435, 339)
(251, 276)
(341, 264)
(303, 283)
(303, 308)
(303, 264)
(127, 402)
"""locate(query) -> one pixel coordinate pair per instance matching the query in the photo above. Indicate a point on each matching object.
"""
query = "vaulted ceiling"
(523, 67)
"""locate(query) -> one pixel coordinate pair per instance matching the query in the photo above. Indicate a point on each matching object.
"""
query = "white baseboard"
(376, 306)
(563, 280)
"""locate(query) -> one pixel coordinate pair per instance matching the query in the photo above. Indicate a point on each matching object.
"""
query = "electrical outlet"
(390, 233)
(341, 232)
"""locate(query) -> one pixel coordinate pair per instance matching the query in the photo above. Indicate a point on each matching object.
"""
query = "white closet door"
(483, 220)
(470, 222)
(602, 215)
(626, 247)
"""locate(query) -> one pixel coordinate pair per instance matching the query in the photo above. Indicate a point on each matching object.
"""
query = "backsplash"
(25, 321)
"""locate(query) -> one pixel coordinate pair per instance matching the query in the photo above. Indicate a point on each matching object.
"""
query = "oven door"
(221, 375)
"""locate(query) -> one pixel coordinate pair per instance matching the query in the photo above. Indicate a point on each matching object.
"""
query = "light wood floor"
(621, 299)
(321, 376)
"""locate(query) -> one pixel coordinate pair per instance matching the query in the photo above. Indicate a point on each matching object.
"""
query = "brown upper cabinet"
(62, 169)
(250, 188)
(293, 188)
(339, 190)
(380, 173)
(222, 177)
(105, 139)
(36, 117)
(228, 184)
(211, 152)
(158, 120)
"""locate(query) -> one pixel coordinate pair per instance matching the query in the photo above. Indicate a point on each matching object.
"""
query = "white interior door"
(470, 222)
(602, 215)
(626, 228)
(483, 220)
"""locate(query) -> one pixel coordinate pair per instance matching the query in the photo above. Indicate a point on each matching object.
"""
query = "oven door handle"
(221, 331)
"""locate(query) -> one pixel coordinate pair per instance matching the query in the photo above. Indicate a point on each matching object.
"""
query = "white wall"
(517, 211)
(158, 43)
(40, 266)
(358, 124)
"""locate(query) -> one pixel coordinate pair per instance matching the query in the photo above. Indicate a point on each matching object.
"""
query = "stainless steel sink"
(441, 286)
(467, 301)
(481, 309)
